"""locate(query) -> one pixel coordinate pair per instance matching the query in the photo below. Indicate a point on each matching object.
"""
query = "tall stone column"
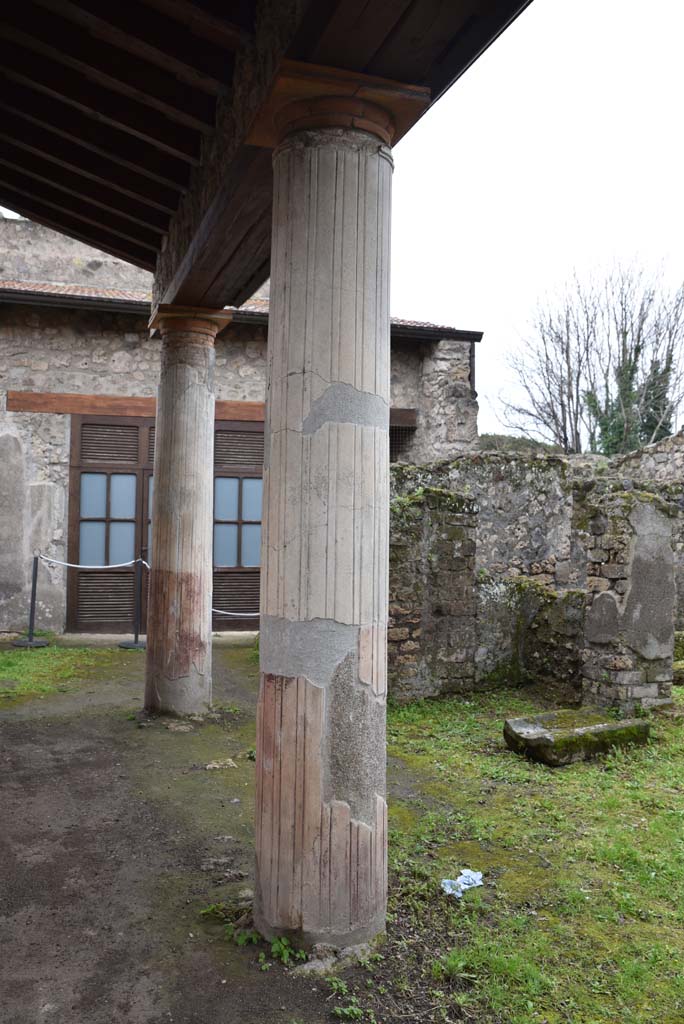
(178, 668)
(321, 815)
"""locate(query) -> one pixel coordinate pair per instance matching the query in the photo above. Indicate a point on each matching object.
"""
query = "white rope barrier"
(73, 565)
(124, 565)
(238, 615)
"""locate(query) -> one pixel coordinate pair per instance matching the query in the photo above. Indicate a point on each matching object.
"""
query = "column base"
(337, 942)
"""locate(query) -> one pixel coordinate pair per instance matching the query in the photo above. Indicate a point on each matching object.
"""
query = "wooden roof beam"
(98, 103)
(82, 161)
(51, 36)
(18, 167)
(147, 34)
(109, 142)
(201, 23)
(101, 239)
(47, 199)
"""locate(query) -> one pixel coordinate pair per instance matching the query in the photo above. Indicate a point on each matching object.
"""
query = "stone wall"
(83, 352)
(571, 580)
(663, 464)
(31, 252)
(431, 640)
(436, 379)
(629, 629)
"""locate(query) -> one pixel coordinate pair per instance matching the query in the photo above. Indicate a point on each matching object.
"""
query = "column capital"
(171, 319)
(309, 96)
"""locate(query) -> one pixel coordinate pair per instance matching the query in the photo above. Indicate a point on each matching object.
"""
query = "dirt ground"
(113, 836)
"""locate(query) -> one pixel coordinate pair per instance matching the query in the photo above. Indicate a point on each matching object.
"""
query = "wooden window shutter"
(109, 443)
(239, 448)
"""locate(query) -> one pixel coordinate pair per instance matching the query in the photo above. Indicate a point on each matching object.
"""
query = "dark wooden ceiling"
(104, 105)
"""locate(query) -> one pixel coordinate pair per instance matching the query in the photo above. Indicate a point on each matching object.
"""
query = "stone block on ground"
(561, 737)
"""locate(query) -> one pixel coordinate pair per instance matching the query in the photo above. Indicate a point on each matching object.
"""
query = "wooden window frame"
(143, 470)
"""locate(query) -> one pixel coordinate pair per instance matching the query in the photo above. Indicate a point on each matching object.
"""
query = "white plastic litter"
(466, 880)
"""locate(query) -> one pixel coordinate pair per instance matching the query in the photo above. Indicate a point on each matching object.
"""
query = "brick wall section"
(432, 632)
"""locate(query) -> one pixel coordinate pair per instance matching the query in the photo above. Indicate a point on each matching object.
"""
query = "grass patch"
(580, 919)
(47, 669)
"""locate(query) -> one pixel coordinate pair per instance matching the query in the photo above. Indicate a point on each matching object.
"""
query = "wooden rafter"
(52, 202)
(82, 161)
(24, 171)
(51, 36)
(109, 142)
(100, 239)
(100, 104)
(151, 36)
(202, 23)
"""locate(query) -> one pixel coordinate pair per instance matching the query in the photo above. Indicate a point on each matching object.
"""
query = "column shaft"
(321, 811)
(178, 670)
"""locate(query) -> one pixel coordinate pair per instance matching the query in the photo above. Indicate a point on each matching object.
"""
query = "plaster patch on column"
(342, 403)
(312, 648)
(354, 742)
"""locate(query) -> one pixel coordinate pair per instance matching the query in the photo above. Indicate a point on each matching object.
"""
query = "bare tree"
(602, 368)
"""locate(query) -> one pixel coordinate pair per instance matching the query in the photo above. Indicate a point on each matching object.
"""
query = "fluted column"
(178, 668)
(321, 816)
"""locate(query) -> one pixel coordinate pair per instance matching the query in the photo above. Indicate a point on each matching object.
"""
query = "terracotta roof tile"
(78, 290)
(262, 305)
(254, 305)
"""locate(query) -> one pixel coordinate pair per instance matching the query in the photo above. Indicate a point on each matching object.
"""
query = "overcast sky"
(560, 148)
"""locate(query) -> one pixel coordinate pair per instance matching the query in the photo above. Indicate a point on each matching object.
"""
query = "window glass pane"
(150, 495)
(225, 544)
(93, 495)
(251, 545)
(122, 496)
(121, 542)
(91, 546)
(251, 499)
(225, 497)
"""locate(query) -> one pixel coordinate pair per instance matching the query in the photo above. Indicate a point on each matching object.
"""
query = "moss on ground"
(580, 916)
(41, 670)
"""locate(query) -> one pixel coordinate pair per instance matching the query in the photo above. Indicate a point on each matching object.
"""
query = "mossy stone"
(558, 738)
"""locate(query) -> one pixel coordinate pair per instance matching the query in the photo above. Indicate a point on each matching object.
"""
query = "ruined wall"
(662, 464)
(571, 583)
(628, 630)
(431, 639)
(662, 461)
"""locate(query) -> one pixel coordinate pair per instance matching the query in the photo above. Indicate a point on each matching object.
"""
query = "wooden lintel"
(124, 405)
(117, 405)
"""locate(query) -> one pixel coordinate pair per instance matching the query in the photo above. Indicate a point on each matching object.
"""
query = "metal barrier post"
(29, 641)
(136, 644)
